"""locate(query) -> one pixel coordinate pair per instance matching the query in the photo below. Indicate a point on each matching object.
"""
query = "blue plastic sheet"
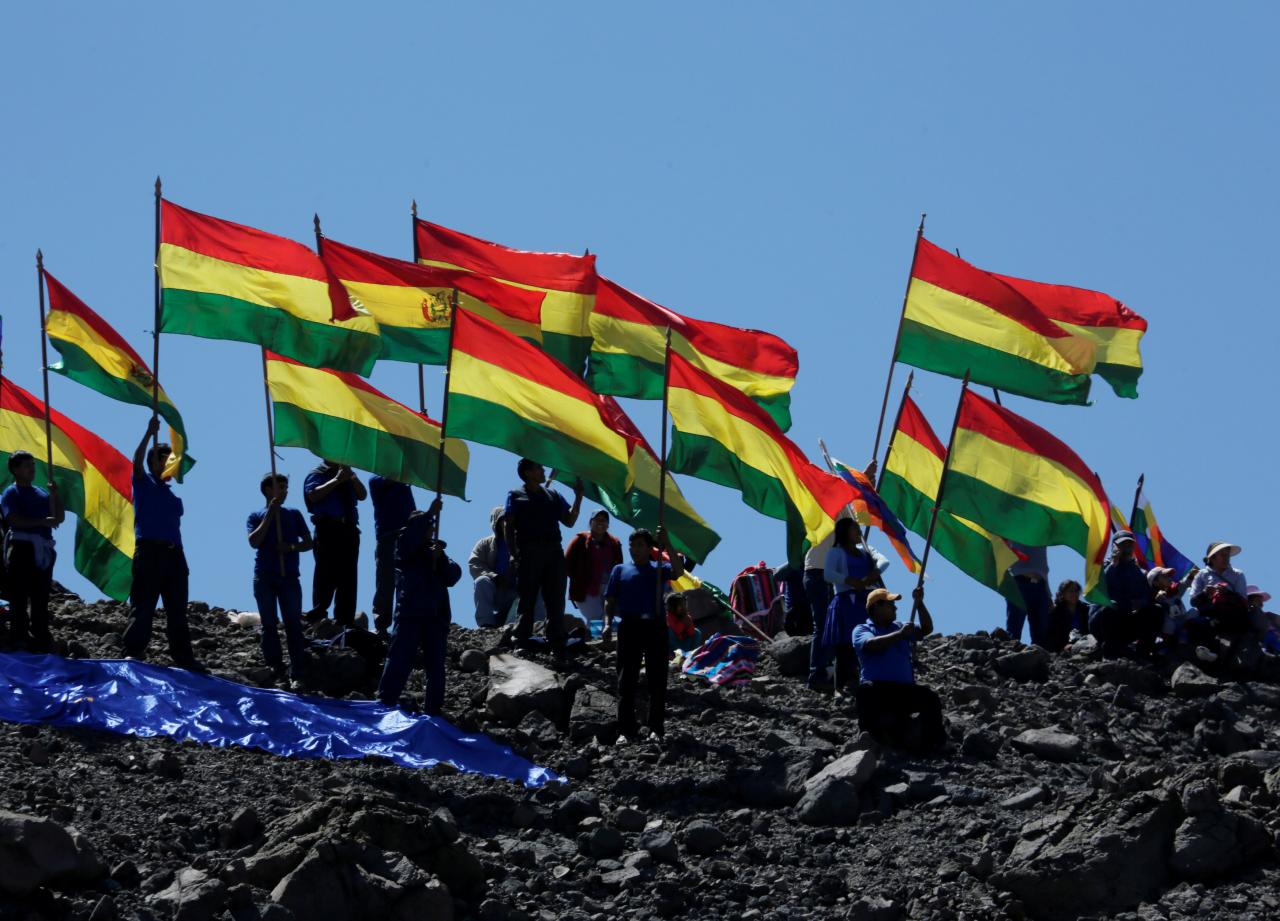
(135, 698)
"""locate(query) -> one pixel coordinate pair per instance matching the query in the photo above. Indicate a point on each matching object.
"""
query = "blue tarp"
(135, 698)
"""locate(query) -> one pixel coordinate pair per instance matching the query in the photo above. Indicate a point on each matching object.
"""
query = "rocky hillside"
(1073, 788)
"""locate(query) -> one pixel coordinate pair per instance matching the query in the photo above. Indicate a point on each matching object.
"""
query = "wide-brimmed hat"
(1122, 537)
(1254, 590)
(1155, 572)
(1220, 545)
(880, 594)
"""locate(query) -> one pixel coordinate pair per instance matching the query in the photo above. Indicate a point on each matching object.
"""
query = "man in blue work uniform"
(392, 505)
(534, 514)
(30, 515)
(159, 564)
(331, 492)
(279, 534)
(424, 575)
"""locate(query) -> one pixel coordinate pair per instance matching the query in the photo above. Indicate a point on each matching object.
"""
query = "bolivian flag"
(628, 352)
(226, 281)
(412, 303)
(508, 393)
(338, 416)
(959, 318)
(94, 479)
(569, 283)
(719, 434)
(97, 356)
(1008, 474)
(1113, 328)
(912, 471)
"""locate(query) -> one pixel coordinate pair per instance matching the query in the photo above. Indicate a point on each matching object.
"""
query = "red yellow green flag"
(97, 356)
(568, 281)
(1009, 475)
(227, 281)
(720, 435)
(94, 479)
(337, 415)
(628, 348)
(411, 303)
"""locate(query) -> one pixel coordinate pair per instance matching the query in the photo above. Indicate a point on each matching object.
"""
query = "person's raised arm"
(259, 534)
(926, 620)
(570, 517)
(677, 561)
(140, 453)
(321, 492)
(361, 492)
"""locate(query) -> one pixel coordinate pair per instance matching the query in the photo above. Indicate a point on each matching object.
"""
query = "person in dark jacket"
(30, 515)
(392, 505)
(278, 535)
(1132, 617)
(331, 492)
(1068, 613)
(424, 575)
(589, 559)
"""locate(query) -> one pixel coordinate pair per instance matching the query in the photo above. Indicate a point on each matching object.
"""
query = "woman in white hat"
(1219, 590)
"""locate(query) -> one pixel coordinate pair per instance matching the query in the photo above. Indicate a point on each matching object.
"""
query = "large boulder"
(1188, 681)
(791, 653)
(1213, 841)
(1030, 664)
(518, 686)
(777, 781)
(1113, 671)
(193, 895)
(36, 852)
(1050, 744)
(854, 768)
(594, 715)
(832, 802)
(329, 886)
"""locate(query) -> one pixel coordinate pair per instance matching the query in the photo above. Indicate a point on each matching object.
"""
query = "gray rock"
(1200, 796)
(340, 889)
(1188, 681)
(241, 828)
(1116, 672)
(594, 715)
(604, 841)
(166, 765)
(473, 661)
(518, 686)
(620, 879)
(874, 908)
(627, 819)
(854, 768)
(778, 780)
(105, 910)
(703, 838)
(981, 744)
(791, 653)
(35, 852)
(578, 805)
(1030, 664)
(832, 802)
(1026, 799)
(1211, 844)
(272, 864)
(660, 845)
(1050, 744)
(193, 895)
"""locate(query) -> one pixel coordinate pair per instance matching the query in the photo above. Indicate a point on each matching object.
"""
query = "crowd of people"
(522, 573)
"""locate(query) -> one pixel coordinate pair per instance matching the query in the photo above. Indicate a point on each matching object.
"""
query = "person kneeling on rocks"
(279, 534)
(424, 575)
(888, 695)
(632, 598)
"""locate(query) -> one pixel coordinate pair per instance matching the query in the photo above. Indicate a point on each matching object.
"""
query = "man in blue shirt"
(533, 516)
(632, 598)
(888, 697)
(1132, 616)
(279, 534)
(1031, 575)
(331, 492)
(30, 515)
(392, 505)
(159, 564)
(424, 575)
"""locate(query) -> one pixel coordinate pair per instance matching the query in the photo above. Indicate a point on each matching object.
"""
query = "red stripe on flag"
(62, 299)
(1076, 305)
(557, 271)
(916, 426)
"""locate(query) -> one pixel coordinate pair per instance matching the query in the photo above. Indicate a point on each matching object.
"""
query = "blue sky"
(758, 164)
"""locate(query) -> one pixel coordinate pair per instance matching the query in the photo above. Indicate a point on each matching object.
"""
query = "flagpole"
(444, 412)
(897, 339)
(942, 486)
(44, 366)
(848, 509)
(662, 473)
(422, 383)
(271, 449)
(1137, 495)
(155, 328)
(893, 436)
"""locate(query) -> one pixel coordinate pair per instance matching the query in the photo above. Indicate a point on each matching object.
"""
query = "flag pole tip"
(413, 207)
(39, 255)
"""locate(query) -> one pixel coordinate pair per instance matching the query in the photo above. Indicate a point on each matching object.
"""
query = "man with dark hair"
(533, 516)
(632, 599)
(159, 564)
(331, 492)
(392, 505)
(424, 575)
(279, 534)
(590, 559)
(30, 515)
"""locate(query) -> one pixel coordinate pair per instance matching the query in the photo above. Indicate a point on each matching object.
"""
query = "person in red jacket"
(590, 559)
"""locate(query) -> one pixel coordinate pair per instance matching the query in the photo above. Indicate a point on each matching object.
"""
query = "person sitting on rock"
(30, 515)
(1180, 627)
(888, 696)
(279, 534)
(495, 577)
(853, 571)
(682, 635)
(1269, 623)
(424, 575)
(1131, 617)
(1068, 615)
(1219, 592)
(632, 599)
(589, 559)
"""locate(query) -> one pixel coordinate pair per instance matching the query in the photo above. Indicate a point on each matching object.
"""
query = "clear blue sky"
(757, 164)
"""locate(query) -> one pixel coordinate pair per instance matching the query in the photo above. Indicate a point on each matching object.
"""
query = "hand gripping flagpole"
(942, 486)
(444, 412)
(44, 366)
(662, 478)
(897, 340)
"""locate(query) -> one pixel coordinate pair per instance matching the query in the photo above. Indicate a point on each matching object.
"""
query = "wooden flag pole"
(1137, 495)
(271, 449)
(155, 328)
(444, 411)
(662, 476)
(848, 509)
(942, 487)
(422, 382)
(893, 435)
(897, 339)
(44, 366)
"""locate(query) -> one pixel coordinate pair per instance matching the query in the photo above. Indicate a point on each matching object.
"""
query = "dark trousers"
(27, 589)
(846, 665)
(409, 634)
(159, 573)
(886, 708)
(541, 572)
(384, 582)
(280, 598)
(337, 550)
(1035, 595)
(642, 642)
(1116, 630)
(818, 590)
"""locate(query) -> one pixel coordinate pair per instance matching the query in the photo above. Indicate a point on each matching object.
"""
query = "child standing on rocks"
(279, 534)
(30, 515)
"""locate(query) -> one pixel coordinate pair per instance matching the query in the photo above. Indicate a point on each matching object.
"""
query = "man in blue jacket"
(424, 575)
(1132, 616)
